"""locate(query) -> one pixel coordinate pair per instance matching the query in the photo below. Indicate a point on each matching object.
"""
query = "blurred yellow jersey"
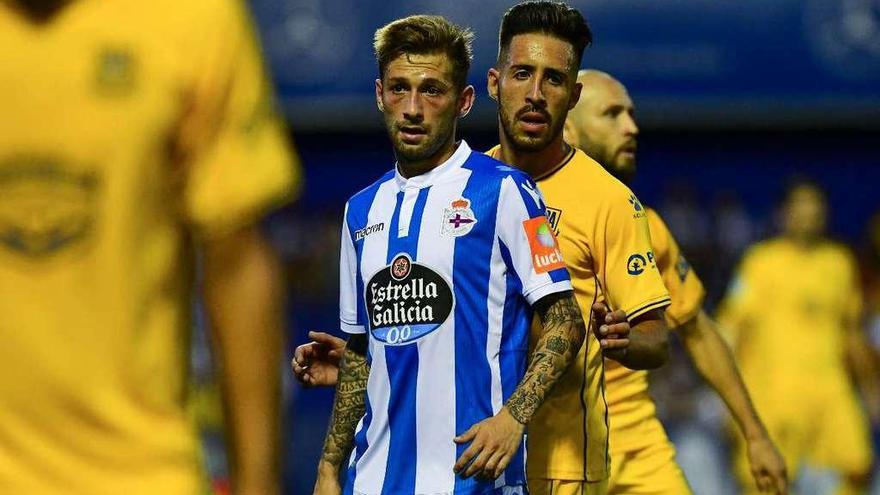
(603, 233)
(626, 390)
(796, 299)
(127, 127)
(788, 310)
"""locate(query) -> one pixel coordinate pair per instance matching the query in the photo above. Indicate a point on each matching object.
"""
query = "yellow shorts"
(828, 430)
(567, 487)
(649, 469)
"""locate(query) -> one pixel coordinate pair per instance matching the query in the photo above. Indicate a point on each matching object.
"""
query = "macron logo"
(536, 197)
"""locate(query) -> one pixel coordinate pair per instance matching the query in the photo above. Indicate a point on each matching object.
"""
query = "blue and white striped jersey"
(441, 269)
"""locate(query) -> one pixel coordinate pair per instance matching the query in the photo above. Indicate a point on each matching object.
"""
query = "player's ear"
(575, 95)
(466, 100)
(379, 103)
(492, 83)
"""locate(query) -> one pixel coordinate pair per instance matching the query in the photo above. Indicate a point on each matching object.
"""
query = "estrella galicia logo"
(636, 264)
(45, 205)
(406, 301)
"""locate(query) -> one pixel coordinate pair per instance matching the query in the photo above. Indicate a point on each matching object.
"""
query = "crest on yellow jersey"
(553, 216)
(115, 71)
(44, 206)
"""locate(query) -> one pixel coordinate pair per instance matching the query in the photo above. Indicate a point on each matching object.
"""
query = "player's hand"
(327, 482)
(768, 466)
(316, 364)
(611, 328)
(493, 442)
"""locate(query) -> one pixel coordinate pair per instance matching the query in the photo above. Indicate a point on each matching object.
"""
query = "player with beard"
(602, 230)
(601, 233)
(642, 458)
(442, 261)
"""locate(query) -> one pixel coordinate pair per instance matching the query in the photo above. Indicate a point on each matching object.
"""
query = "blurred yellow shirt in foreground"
(629, 402)
(603, 234)
(129, 130)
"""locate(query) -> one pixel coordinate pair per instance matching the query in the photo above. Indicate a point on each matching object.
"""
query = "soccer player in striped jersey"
(642, 457)
(442, 261)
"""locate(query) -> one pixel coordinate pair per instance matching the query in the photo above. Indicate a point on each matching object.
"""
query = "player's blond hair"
(424, 35)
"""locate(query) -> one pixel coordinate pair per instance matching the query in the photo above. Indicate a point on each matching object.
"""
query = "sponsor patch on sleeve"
(544, 248)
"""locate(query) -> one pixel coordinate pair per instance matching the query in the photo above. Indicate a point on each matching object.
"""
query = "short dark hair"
(424, 35)
(546, 17)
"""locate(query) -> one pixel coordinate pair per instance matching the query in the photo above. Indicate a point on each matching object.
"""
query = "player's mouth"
(411, 134)
(534, 122)
(628, 151)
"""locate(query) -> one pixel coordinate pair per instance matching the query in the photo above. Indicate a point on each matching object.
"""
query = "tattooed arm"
(348, 408)
(564, 333)
(495, 440)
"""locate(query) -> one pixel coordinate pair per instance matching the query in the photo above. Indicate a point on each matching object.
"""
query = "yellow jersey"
(789, 307)
(629, 402)
(603, 233)
(127, 127)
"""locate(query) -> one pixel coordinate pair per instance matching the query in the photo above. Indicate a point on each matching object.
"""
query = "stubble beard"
(524, 143)
(431, 145)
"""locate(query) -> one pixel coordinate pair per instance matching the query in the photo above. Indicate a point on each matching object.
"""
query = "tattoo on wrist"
(564, 331)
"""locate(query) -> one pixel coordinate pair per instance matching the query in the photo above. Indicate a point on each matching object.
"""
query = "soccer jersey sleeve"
(350, 320)
(527, 242)
(685, 288)
(237, 159)
(625, 260)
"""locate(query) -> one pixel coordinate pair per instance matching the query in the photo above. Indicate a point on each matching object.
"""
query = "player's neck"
(409, 169)
(804, 241)
(535, 163)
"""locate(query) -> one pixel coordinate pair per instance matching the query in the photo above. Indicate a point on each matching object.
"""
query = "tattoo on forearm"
(564, 333)
(348, 406)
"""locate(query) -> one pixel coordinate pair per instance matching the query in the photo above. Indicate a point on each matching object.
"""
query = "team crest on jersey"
(45, 205)
(115, 71)
(458, 219)
(545, 252)
(406, 301)
(553, 216)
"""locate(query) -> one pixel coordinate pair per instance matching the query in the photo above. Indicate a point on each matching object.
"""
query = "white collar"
(428, 178)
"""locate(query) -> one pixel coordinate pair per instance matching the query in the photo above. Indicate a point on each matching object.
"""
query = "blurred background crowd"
(733, 100)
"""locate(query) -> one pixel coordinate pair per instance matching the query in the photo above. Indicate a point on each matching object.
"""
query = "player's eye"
(398, 88)
(555, 79)
(521, 74)
(433, 91)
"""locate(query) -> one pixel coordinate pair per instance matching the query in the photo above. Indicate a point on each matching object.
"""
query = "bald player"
(642, 457)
